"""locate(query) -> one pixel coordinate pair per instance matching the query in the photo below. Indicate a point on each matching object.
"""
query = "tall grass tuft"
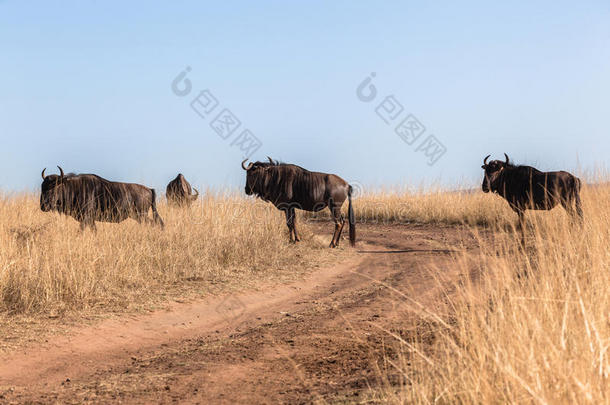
(521, 326)
(48, 265)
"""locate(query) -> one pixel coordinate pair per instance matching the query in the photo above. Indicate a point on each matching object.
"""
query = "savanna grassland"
(515, 325)
(521, 325)
(49, 268)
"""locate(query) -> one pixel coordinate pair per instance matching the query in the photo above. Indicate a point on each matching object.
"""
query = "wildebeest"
(179, 192)
(291, 187)
(526, 188)
(89, 198)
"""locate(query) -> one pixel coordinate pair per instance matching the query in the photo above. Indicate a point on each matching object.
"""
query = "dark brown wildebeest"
(526, 188)
(291, 187)
(179, 192)
(89, 198)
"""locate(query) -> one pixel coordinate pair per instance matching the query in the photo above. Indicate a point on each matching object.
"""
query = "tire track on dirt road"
(313, 340)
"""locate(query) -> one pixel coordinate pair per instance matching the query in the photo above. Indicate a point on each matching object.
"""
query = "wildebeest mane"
(280, 180)
(521, 172)
(76, 191)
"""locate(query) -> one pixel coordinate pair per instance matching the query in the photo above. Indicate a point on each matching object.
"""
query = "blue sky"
(87, 85)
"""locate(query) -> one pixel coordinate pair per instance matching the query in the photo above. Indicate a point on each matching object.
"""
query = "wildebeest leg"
(338, 220)
(156, 217)
(289, 212)
(577, 200)
(143, 218)
(294, 225)
(569, 207)
(573, 207)
(521, 226)
(342, 222)
(88, 223)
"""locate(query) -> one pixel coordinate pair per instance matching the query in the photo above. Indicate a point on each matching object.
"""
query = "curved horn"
(270, 160)
(485, 160)
(249, 165)
(507, 159)
(43, 170)
(61, 172)
(196, 192)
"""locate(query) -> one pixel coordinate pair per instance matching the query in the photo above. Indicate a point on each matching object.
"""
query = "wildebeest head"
(493, 170)
(50, 196)
(255, 176)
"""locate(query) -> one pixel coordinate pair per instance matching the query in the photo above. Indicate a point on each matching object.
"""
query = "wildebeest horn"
(507, 159)
(485, 160)
(270, 160)
(249, 165)
(43, 170)
(61, 171)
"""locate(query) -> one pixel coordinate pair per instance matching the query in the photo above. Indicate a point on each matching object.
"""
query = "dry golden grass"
(430, 207)
(435, 207)
(48, 267)
(527, 326)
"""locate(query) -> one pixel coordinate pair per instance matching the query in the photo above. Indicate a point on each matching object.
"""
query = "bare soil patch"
(320, 339)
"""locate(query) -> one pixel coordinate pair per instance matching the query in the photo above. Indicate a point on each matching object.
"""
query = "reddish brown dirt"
(316, 340)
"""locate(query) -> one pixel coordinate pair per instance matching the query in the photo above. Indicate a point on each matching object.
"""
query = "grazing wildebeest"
(89, 198)
(179, 192)
(289, 187)
(526, 188)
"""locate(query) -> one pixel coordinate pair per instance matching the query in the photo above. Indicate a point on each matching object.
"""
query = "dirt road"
(316, 340)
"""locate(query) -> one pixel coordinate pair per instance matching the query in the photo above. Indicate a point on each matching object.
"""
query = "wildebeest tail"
(156, 216)
(351, 218)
